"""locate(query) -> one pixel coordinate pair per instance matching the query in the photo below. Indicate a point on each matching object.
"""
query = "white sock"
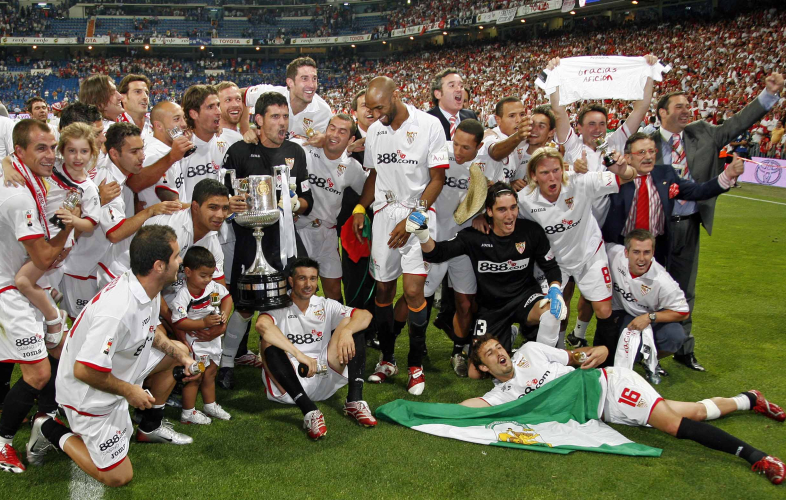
(236, 329)
(548, 330)
(7, 441)
(63, 439)
(209, 406)
(580, 330)
(743, 402)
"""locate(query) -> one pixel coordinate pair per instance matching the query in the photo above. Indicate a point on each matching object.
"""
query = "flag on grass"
(560, 417)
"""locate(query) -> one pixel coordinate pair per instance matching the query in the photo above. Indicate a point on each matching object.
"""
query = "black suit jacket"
(663, 176)
(464, 114)
(702, 143)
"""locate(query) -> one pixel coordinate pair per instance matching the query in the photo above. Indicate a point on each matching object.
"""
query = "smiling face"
(304, 86)
(304, 282)
(337, 136)
(382, 106)
(503, 214)
(231, 103)
(592, 128)
(541, 132)
(77, 154)
(112, 108)
(465, 148)
(495, 359)
(39, 155)
(211, 213)
(677, 114)
(451, 93)
(363, 115)
(639, 256)
(200, 277)
(548, 176)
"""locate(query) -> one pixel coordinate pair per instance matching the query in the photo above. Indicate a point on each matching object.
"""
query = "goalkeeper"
(502, 262)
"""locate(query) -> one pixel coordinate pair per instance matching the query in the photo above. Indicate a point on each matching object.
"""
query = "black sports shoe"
(660, 371)
(690, 361)
(575, 341)
(224, 378)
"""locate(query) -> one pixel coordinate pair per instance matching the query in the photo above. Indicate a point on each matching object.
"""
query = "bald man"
(161, 175)
(407, 156)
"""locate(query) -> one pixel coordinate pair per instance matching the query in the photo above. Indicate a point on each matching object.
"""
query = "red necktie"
(452, 126)
(643, 206)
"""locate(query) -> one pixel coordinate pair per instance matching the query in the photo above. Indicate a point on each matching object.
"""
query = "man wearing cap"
(502, 262)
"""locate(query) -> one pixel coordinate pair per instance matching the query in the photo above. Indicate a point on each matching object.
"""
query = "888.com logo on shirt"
(199, 170)
(397, 157)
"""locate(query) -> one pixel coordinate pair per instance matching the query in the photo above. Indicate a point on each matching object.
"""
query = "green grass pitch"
(263, 453)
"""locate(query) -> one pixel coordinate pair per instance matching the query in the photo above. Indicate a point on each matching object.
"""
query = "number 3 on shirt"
(480, 327)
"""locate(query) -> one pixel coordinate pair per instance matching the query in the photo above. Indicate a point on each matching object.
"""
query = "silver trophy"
(261, 287)
(176, 132)
(605, 153)
(72, 199)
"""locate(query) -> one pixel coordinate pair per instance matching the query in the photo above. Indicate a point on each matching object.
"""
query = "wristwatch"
(652, 317)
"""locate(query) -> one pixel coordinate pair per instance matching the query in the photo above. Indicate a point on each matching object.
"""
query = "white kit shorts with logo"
(21, 329)
(107, 437)
(460, 275)
(389, 263)
(594, 277)
(77, 291)
(629, 398)
(321, 244)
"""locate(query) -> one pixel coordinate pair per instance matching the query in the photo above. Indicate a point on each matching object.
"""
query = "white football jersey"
(574, 146)
(172, 179)
(203, 163)
(453, 192)
(509, 169)
(569, 225)
(6, 136)
(114, 333)
(310, 331)
(229, 137)
(402, 158)
(535, 365)
(187, 306)
(328, 180)
(90, 249)
(653, 291)
(19, 222)
(59, 187)
(316, 116)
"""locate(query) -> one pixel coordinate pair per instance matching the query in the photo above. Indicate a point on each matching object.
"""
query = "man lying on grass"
(629, 399)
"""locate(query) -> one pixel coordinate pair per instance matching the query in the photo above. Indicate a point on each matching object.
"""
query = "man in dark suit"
(648, 207)
(692, 149)
(447, 95)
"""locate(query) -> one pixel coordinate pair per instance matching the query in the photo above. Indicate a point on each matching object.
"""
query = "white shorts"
(540, 277)
(390, 263)
(77, 293)
(629, 398)
(318, 387)
(321, 243)
(107, 437)
(21, 329)
(226, 237)
(460, 274)
(594, 278)
(153, 360)
(205, 351)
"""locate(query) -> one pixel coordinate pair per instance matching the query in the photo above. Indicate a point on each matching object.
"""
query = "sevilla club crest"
(520, 246)
(569, 203)
(411, 137)
(645, 289)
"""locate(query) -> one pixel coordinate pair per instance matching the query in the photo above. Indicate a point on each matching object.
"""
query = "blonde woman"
(79, 152)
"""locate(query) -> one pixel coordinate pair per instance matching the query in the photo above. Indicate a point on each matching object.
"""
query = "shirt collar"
(448, 115)
(137, 289)
(666, 135)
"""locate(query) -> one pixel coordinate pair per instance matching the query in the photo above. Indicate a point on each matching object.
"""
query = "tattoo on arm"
(163, 344)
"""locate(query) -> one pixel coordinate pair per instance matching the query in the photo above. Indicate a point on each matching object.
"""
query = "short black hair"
(498, 109)
(29, 103)
(303, 262)
(638, 136)
(589, 109)
(197, 257)
(207, 188)
(545, 109)
(474, 352)
(354, 104)
(663, 102)
(353, 127)
(436, 83)
(79, 112)
(639, 235)
(473, 127)
(151, 244)
(117, 133)
(268, 99)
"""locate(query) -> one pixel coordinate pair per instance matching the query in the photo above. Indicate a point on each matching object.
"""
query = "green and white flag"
(560, 417)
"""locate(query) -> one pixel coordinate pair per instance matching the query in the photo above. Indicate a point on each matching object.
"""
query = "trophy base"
(262, 292)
